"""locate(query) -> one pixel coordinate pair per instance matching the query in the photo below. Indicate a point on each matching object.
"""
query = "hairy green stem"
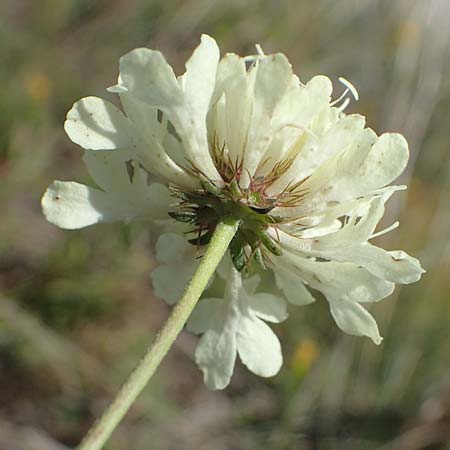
(102, 429)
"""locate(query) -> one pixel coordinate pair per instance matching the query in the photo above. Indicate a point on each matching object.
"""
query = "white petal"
(385, 162)
(178, 266)
(159, 201)
(149, 146)
(259, 347)
(96, 124)
(108, 169)
(170, 281)
(216, 355)
(268, 307)
(171, 248)
(190, 120)
(293, 288)
(354, 319)
(340, 280)
(396, 266)
(326, 227)
(302, 104)
(231, 71)
(144, 201)
(233, 112)
(205, 315)
(272, 77)
(72, 205)
(199, 80)
(223, 269)
(251, 284)
(368, 164)
(413, 264)
(349, 244)
(314, 153)
(293, 124)
(358, 229)
(146, 75)
(233, 323)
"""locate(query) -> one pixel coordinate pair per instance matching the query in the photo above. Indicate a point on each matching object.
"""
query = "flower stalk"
(103, 428)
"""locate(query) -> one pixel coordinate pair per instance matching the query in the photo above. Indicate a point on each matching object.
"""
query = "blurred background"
(77, 309)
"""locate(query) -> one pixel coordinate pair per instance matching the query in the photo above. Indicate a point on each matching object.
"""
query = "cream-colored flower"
(243, 137)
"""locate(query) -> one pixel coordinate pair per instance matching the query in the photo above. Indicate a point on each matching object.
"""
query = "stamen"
(350, 87)
(344, 105)
(386, 230)
(259, 50)
(335, 102)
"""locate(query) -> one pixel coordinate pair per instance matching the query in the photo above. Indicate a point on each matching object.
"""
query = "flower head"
(244, 138)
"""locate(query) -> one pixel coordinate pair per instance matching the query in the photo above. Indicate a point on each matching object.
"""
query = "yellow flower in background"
(305, 355)
(37, 85)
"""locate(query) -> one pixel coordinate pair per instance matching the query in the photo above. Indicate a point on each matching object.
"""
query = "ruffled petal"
(302, 104)
(396, 266)
(216, 355)
(167, 285)
(271, 78)
(344, 285)
(362, 217)
(354, 319)
(72, 205)
(235, 321)
(198, 82)
(368, 164)
(293, 287)
(349, 244)
(172, 248)
(153, 143)
(292, 124)
(108, 169)
(315, 151)
(259, 347)
(230, 117)
(339, 280)
(125, 180)
(176, 257)
(145, 75)
(206, 314)
(268, 307)
(96, 124)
